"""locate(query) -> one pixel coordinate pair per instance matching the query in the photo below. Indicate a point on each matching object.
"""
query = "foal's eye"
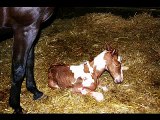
(117, 64)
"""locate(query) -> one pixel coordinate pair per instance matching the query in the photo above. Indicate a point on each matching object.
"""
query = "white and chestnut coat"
(83, 78)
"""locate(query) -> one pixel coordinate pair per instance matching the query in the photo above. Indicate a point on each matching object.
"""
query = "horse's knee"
(18, 73)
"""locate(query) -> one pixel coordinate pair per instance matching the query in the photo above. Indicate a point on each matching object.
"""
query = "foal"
(83, 78)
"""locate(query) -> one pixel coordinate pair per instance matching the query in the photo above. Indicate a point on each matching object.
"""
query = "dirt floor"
(74, 40)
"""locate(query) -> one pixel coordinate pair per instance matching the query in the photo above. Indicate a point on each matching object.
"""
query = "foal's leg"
(87, 91)
(23, 40)
(52, 84)
(103, 87)
(30, 82)
(96, 95)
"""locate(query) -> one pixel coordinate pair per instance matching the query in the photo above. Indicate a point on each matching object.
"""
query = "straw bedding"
(77, 39)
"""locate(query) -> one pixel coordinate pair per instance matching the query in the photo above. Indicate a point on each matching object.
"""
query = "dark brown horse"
(25, 23)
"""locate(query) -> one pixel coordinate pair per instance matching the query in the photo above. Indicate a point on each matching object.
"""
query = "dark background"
(70, 12)
(125, 12)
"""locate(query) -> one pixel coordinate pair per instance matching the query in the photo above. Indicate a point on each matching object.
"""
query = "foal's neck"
(98, 65)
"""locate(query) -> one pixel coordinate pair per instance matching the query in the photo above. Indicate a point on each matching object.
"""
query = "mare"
(25, 23)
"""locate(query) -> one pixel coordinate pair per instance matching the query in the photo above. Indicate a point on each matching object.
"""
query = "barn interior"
(75, 35)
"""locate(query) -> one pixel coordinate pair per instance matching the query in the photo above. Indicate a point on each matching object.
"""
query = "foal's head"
(113, 64)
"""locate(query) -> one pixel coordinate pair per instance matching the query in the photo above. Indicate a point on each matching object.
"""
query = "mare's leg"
(23, 40)
(30, 82)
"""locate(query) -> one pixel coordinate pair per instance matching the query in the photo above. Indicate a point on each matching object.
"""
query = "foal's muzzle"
(118, 79)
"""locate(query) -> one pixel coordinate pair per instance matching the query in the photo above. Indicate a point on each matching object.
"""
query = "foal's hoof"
(98, 96)
(37, 95)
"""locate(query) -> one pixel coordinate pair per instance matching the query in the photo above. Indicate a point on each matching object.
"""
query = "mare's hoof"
(19, 111)
(37, 95)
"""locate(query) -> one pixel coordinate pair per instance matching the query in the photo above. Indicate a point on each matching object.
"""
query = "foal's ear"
(108, 47)
(115, 52)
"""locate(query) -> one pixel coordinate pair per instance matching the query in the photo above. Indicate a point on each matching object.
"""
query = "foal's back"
(61, 75)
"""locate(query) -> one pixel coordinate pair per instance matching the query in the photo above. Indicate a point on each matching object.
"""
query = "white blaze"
(120, 59)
